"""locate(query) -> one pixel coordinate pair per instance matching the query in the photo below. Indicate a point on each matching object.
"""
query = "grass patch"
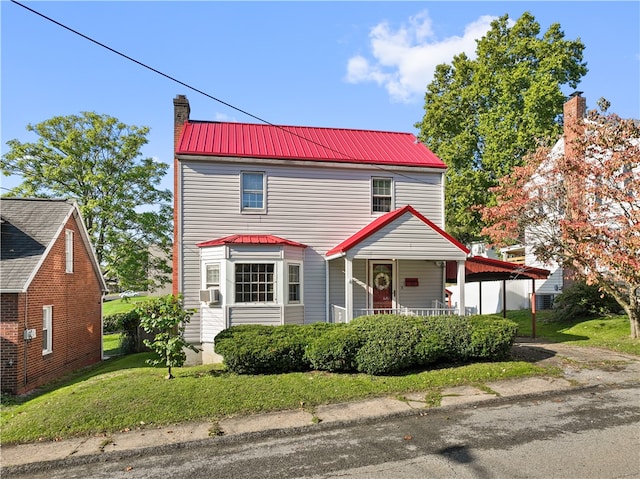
(126, 393)
(122, 305)
(610, 332)
(111, 344)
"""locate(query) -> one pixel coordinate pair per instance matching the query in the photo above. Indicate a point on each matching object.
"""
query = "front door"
(382, 282)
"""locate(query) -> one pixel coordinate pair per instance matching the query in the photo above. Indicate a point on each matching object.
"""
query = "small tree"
(581, 209)
(166, 318)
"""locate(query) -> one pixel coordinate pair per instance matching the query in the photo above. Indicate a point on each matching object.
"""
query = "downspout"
(326, 292)
(24, 340)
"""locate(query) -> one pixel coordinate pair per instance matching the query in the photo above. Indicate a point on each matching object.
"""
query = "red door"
(382, 279)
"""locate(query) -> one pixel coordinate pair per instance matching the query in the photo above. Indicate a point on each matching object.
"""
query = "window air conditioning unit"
(211, 295)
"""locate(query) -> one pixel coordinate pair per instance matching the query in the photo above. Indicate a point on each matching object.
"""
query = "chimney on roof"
(181, 111)
(574, 111)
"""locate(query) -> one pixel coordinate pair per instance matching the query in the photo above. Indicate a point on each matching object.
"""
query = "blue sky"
(335, 64)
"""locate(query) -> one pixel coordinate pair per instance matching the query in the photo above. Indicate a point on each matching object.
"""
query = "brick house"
(51, 292)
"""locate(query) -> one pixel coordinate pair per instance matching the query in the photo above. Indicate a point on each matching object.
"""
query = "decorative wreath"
(381, 281)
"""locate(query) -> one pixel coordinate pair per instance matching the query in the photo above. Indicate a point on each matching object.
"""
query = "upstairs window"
(252, 191)
(255, 282)
(68, 243)
(381, 195)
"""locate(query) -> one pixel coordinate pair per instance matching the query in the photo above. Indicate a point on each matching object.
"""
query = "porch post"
(348, 288)
(460, 279)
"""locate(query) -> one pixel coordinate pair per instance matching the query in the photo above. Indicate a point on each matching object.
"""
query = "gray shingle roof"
(28, 226)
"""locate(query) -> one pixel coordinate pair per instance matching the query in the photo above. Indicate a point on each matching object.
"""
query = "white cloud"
(404, 60)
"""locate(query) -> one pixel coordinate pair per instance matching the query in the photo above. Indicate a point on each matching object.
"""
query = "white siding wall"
(294, 314)
(430, 284)
(407, 238)
(268, 315)
(316, 206)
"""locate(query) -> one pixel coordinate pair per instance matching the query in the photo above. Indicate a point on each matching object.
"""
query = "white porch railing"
(439, 311)
(339, 314)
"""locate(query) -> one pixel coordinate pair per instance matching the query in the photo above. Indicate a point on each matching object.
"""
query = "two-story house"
(293, 225)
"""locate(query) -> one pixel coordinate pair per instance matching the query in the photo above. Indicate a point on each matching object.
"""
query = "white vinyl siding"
(47, 329)
(270, 315)
(299, 210)
(430, 284)
(68, 246)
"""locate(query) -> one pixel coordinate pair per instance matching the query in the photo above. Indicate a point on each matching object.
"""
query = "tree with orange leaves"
(580, 206)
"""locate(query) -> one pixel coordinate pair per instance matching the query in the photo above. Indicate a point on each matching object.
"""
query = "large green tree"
(483, 115)
(97, 161)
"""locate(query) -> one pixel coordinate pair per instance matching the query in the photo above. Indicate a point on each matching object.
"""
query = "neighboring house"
(294, 225)
(487, 297)
(51, 292)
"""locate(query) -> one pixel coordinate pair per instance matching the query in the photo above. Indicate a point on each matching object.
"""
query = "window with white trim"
(294, 281)
(47, 326)
(255, 282)
(68, 244)
(212, 276)
(252, 194)
(381, 195)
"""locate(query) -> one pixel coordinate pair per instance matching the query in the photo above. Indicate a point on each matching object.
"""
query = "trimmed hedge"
(378, 344)
(335, 350)
(258, 349)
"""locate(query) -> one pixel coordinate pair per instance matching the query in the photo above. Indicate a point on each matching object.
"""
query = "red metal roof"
(385, 220)
(479, 268)
(249, 239)
(253, 140)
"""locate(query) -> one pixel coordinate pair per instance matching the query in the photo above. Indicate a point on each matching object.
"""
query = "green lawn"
(612, 332)
(126, 393)
(111, 344)
(121, 305)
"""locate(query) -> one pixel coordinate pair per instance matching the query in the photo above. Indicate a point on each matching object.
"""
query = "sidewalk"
(582, 368)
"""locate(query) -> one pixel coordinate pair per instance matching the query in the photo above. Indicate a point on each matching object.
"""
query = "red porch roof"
(479, 268)
(385, 220)
(250, 239)
(249, 140)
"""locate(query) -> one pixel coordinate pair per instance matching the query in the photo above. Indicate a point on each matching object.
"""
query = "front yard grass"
(124, 393)
(610, 332)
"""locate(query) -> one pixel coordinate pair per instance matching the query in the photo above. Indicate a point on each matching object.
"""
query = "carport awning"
(479, 268)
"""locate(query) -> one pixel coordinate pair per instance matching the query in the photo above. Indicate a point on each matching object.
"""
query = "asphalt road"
(585, 434)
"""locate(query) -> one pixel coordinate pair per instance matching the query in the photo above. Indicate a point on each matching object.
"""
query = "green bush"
(491, 339)
(258, 349)
(379, 344)
(580, 301)
(113, 323)
(390, 343)
(335, 350)
(452, 335)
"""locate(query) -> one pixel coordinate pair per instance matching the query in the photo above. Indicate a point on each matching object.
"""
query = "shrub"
(491, 339)
(581, 300)
(335, 350)
(258, 349)
(451, 335)
(113, 323)
(390, 344)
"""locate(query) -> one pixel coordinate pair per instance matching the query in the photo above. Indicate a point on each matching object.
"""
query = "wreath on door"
(381, 281)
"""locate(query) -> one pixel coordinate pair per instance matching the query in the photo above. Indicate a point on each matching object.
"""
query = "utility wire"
(186, 85)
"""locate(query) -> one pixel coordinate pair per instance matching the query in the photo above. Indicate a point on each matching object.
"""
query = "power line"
(186, 85)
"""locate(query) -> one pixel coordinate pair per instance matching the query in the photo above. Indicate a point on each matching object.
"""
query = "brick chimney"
(181, 111)
(574, 110)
